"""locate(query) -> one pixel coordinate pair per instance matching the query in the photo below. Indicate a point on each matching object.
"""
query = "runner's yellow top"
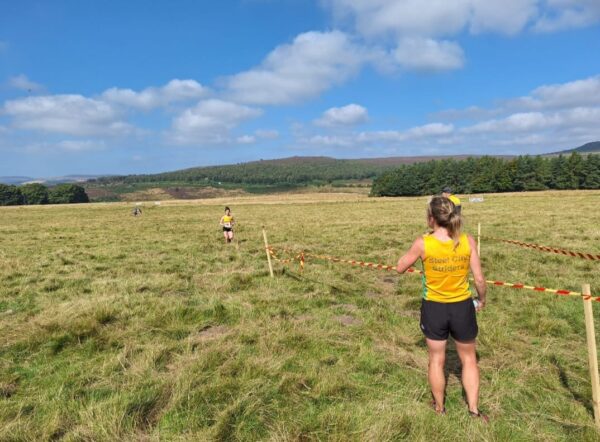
(446, 269)
(227, 220)
(455, 200)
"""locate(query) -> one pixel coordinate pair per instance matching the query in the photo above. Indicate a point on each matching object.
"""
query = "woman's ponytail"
(444, 212)
(454, 227)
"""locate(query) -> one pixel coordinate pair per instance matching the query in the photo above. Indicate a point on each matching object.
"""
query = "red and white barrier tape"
(375, 266)
(582, 255)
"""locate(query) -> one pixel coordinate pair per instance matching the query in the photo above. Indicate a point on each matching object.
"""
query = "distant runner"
(227, 223)
(137, 211)
(447, 192)
(447, 308)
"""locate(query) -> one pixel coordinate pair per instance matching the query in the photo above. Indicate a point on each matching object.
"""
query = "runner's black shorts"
(457, 319)
(227, 229)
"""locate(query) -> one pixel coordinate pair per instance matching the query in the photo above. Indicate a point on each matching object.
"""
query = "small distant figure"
(136, 211)
(227, 223)
(447, 192)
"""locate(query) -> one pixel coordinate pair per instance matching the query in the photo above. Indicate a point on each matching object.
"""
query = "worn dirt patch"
(209, 333)
(348, 320)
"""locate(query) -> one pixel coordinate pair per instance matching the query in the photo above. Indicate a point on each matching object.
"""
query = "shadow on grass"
(564, 380)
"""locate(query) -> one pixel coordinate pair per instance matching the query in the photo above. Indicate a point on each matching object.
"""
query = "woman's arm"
(415, 252)
(480, 285)
(221, 221)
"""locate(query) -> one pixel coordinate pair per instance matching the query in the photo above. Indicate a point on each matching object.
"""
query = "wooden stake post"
(592, 352)
(479, 239)
(267, 252)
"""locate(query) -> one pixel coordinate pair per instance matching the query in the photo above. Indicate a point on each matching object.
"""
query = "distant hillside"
(18, 180)
(285, 171)
(15, 180)
(594, 146)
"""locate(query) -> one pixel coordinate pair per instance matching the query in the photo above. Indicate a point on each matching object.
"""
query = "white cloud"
(429, 133)
(566, 14)
(260, 134)
(81, 145)
(153, 97)
(374, 18)
(573, 94)
(22, 82)
(411, 18)
(579, 117)
(269, 134)
(555, 96)
(425, 54)
(246, 139)
(401, 18)
(209, 122)
(349, 115)
(502, 16)
(67, 114)
(291, 73)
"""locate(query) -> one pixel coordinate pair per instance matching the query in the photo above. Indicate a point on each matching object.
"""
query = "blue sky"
(135, 87)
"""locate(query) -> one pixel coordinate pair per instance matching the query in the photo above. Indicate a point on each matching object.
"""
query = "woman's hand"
(480, 304)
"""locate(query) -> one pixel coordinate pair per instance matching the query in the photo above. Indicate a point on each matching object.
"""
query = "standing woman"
(227, 223)
(447, 307)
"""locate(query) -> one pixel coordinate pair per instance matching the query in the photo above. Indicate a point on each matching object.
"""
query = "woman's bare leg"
(437, 380)
(470, 373)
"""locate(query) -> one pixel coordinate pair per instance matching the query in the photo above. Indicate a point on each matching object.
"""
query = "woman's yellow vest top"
(227, 219)
(446, 269)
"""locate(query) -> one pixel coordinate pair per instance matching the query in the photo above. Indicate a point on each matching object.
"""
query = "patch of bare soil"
(348, 320)
(209, 333)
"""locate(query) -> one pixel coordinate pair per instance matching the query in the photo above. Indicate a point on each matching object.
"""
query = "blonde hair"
(443, 211)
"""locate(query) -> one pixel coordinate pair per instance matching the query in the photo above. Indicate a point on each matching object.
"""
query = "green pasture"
(152, 328)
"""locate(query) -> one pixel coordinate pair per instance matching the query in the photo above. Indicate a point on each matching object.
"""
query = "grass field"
(150, 328)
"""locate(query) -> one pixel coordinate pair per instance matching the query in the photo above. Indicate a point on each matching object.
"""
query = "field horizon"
(151, 328)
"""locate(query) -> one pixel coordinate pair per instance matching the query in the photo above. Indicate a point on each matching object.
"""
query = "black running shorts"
(458, 319)
(227, 229)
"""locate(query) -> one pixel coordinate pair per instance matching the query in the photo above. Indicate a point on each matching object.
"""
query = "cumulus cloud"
(153, 97)
(349, 115)
(246, 139)
(566, 14)
(210, 122)
(573, 94)
(531, 121)
(295, 72)
(269, 134)
(420, 31)
(374, 18)
(402, 18)
(576, 93)
(66, 114)
(260, 134)
(360, 140)
(425, 54)
(80, 145)
(22, 82)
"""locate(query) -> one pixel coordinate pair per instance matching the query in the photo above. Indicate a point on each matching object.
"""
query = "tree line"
(292, 171)
(35, 193)
(489, 174)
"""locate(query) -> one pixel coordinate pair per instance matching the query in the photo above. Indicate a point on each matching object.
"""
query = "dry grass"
(150, 328)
